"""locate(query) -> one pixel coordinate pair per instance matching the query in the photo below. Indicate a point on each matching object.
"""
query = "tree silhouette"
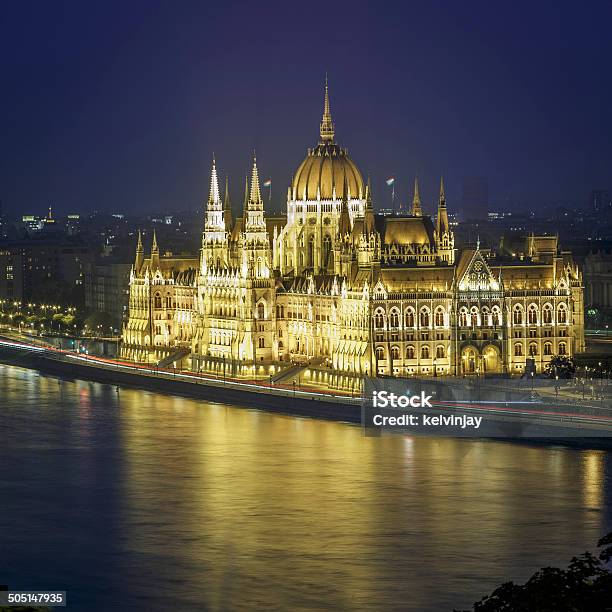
(585, 586)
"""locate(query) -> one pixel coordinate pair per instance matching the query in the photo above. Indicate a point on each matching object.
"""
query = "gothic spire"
(327, 126)
(255, 193)
(139, 253)
(442, 193)
(154, 253)
(416, 200)
(214, 199)
(442, 224)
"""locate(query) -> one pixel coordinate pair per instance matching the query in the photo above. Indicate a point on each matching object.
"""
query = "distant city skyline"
(101, 113)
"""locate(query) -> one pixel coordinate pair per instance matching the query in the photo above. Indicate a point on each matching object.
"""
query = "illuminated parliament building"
(336, 285)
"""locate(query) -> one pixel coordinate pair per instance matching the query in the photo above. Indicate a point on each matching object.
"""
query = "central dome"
(326, 167)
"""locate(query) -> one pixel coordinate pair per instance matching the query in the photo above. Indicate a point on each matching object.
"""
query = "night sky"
(118, 106)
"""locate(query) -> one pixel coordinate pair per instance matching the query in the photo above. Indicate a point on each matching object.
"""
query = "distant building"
(597, 273)
(43, 269)
(107, 287)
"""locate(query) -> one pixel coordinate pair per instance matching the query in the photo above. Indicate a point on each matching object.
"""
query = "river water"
(130, 500)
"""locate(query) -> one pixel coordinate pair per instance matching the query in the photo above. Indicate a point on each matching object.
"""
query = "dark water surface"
(141, 501)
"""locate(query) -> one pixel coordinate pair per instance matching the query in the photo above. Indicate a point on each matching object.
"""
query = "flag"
(390, 181)
(267, 183)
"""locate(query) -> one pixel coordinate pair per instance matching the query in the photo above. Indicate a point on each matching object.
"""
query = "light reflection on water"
(133, 500)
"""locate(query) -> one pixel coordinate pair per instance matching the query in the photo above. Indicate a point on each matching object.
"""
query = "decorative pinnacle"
(442, 194)
(327, 126)
(416, 200)
(139, 245)
(154, 248)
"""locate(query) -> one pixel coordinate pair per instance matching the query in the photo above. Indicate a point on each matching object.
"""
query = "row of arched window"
(411, 352)
(533, 349)
(472, 317)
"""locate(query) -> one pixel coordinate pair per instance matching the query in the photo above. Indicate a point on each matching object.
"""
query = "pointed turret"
(254, 211)
(139, 254)
(442, 217)
(445, 239)
(327, 125)
(416, 200)
(154, 253)
(214, 210)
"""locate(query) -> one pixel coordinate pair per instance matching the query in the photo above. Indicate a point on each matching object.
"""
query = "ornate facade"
(335, 285)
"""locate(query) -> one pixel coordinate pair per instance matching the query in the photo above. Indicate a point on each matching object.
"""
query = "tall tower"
(214, 237)
(259, 306)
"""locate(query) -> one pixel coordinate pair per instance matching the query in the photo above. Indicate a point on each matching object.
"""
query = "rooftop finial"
(327, 126)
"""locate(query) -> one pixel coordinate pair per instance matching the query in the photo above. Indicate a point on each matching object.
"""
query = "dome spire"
(327, 126)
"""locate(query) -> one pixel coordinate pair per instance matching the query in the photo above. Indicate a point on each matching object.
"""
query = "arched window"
(485, 316)
(474, 316)
(379, 319)
(425, 352)
(394, 317)
(548, 348)
(533, 349)
(261, 311)
(158, 300)
(562, 314)
(424, 317)
(380, 353)
(262, 343)
(395, 352)
(168, 302)
(410, 352)
(518, 350)
(496, 316)
(547, 314)
(517, 315)
(281, 346)
(439, 317)
(409, 318)
(463, 317)
(440, 352)
(562, 348)
(311, 251)
(532, 314)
